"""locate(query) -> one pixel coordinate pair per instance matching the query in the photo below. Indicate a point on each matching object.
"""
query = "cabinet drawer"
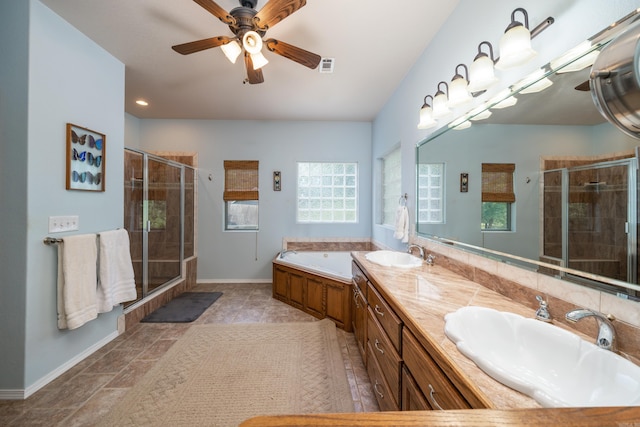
(359, 281)
(391, 323)
(379, 383)
(436, 387)
(388, 358)
(412, 397)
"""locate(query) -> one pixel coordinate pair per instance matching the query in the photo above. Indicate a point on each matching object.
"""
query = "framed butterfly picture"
(86, 155)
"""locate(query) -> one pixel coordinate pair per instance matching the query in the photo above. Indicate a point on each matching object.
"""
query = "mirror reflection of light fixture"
(481, 73)
(575, 59)
(440, 108)
(426, 115)
(480, 113)
(458, 88)
(231, 50)
(460, 124)
(534, 82)
(252, 43)
(515, 44)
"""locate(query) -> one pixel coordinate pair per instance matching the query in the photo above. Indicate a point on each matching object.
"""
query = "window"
(241, 194)
(497, 196)
(327, 192)
(431, 193)
(391, 186)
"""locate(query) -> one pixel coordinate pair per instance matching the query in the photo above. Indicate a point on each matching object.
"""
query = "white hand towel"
(116, 283)
(77, 257)
(402, 224)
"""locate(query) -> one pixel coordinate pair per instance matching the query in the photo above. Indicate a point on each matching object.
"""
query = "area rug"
(223, 374)
(186, 307)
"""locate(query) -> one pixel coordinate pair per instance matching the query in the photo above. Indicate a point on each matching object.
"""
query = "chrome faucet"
(419, 248)
(542, 313)
(430, 259)
(283, 253)
(606, 332)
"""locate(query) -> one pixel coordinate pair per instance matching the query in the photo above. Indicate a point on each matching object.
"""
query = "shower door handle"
(148, 226)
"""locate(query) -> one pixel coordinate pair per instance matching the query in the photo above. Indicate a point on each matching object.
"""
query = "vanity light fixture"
(534, 82)
(480, 113)
(440, 101)
(426, 115)
(458, 88)
(481, 73)
(575, 59)
(231, 50)
(515, 44)
(502, 100)
(460, 124)
(252, 43)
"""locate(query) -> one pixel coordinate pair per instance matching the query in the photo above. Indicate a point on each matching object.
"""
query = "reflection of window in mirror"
(431, 193)
(498, 197)
(391, 183)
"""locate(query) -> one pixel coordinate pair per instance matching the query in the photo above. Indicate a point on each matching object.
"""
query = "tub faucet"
(606, 332)
(419, 248)
(283, 253)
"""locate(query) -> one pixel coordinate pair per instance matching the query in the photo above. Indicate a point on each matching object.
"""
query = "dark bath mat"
(186, 307)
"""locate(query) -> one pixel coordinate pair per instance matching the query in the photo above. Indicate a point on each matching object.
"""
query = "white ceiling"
(374, 43)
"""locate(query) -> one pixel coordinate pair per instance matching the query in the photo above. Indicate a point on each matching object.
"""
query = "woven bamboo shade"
(240, 180)
(497, 182)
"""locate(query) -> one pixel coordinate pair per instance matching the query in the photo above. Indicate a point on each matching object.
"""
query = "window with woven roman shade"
(497, 182)
(241, 194)
(498, 196)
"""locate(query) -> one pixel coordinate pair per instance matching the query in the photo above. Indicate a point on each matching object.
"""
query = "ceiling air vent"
(326, 65)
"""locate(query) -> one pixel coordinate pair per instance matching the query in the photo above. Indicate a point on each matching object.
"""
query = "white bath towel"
(77, 258)
(116, 282)
(402, 224)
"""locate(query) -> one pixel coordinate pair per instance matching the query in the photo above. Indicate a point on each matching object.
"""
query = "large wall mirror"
(575, 213)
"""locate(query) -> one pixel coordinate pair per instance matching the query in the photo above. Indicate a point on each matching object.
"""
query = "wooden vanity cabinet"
(359, 310)
(412, 397)
(321, 297)
(381, 389)
(433, 385)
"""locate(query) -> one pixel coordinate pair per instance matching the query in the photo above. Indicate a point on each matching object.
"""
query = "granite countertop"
(422, 296)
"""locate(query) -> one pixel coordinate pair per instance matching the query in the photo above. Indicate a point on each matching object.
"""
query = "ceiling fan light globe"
(252, 42)
(231, 50)
(258, 60)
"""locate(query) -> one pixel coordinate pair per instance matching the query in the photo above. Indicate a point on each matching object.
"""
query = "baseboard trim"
(21, 394)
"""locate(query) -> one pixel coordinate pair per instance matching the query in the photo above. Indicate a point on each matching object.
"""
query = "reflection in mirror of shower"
(591, 234)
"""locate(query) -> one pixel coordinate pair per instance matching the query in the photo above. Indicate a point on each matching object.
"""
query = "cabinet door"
(314, 297)
(359, 321)
(297, 283)
(412, 397)
(338, 304)
(280, 284)
(435, 385)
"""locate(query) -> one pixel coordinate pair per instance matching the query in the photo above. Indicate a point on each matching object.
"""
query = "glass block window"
(327, 192)
(431, 193)
(391, 186)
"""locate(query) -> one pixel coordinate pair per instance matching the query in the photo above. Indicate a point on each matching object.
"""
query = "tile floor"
(87, 391)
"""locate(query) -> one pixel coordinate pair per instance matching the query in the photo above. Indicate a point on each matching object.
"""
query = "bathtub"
(332, 265)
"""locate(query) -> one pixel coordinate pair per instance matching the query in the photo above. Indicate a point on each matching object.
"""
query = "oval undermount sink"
(394, 259)
(552, 365)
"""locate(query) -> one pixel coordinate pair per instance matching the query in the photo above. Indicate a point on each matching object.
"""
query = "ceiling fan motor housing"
(244, 21)
(615, 81)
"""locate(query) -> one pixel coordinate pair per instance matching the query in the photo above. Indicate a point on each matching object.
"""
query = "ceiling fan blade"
(275, 11)
(584, 86)
(253, 76)
(301, 56)
(198, 45)
(217, 11)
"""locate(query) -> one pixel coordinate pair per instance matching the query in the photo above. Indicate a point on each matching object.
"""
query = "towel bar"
(51, 241)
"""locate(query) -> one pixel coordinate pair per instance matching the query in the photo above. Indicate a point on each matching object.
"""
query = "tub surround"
(337, 244)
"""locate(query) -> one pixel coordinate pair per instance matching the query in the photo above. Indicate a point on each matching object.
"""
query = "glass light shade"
(481, 74)
(258, 60)
(515, 47)
(252, 42)
(440, 108)
(426, 118)
(458, 92)
(231, 50)
(480, 113)
(534, 82)
(509, 102)
(575, 59)
(460, 124)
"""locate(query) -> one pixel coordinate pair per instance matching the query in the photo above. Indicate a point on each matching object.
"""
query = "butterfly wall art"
(86, 153)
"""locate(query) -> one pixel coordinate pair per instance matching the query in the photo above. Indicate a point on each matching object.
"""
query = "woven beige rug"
(220, 375)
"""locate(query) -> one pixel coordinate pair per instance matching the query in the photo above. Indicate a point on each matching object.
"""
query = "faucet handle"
(542, 313)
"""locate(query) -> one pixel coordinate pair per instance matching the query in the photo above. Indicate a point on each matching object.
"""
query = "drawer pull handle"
(377, 310)
(375, 387)
(356, 294)
(377, 346)
(433, 399)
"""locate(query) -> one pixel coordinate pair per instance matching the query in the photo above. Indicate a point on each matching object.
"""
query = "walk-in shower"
(590, 218)
(159, 205)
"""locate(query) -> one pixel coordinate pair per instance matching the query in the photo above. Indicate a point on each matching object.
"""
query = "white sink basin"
(394, 259)
(555, 367)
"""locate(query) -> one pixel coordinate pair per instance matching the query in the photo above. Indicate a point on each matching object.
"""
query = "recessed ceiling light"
(142, 102)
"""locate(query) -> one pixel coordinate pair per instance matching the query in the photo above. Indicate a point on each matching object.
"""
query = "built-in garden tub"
(316, 282)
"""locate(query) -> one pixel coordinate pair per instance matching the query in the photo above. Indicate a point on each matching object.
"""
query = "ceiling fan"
(249, 26)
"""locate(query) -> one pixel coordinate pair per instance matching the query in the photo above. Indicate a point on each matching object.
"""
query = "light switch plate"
(59, 224)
